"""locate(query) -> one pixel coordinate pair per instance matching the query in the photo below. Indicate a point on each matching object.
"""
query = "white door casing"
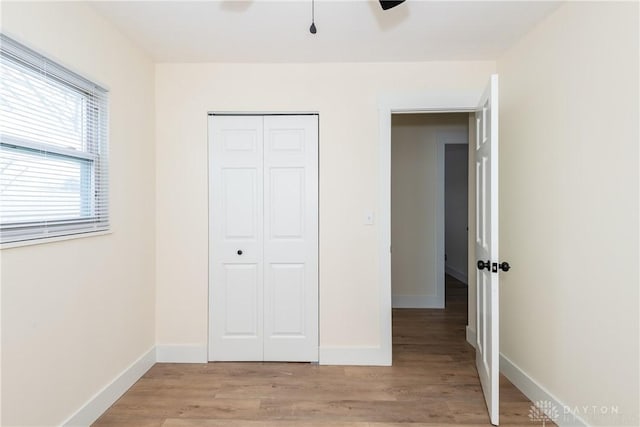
(486, 244)
(263, 298)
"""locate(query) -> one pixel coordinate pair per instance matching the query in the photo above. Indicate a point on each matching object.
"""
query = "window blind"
(53, 148)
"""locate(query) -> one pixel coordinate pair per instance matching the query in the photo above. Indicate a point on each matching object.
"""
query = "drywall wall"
(76, 313)
(415, 187)
(346, 96)
(456, 196)
(569, 208)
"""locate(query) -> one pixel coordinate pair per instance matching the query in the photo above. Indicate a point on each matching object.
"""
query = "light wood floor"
(433, 381)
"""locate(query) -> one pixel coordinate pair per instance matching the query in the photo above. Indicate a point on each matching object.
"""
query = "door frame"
(428, 102)
(209, 213)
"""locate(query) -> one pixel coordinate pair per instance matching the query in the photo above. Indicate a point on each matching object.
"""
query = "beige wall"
(77, 313)
(415, 190)
(569, 206)
(346, 96)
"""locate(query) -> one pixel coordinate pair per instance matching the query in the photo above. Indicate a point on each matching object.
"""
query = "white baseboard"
(102, 400)
(359, 356)
(471, 336)
(416, 301)
(457, 274)
(537, 393)
(533, 390)
(181, 353)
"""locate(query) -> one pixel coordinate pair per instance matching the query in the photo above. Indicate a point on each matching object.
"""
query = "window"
(53, 148)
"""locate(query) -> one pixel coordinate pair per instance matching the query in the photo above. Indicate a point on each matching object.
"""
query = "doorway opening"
(429, 241)
(485, 288)
(429, 206)
(456, 212)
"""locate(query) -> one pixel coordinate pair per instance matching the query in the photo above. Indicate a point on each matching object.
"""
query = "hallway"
(433, 342)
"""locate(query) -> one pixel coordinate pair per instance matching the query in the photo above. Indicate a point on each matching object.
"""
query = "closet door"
(291, 238)
(236, 238)
(263, 238)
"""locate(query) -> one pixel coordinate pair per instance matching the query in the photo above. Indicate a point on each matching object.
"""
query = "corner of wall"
(103, 399)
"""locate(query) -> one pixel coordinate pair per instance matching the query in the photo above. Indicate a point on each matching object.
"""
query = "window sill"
(46, 240)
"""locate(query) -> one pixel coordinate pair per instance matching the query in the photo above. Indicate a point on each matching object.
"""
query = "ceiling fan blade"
(388, 4)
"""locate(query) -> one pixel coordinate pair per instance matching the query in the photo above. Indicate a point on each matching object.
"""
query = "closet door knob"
(239, 252)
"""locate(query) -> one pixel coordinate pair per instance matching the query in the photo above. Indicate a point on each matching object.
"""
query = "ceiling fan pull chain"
(313, 28)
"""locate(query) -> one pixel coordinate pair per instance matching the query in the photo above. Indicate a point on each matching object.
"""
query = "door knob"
(482, 265)
(239, 252)
(504, 266)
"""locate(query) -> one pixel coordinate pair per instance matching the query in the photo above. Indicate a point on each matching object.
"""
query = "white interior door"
(291, 238)
(263, 297)
(236, 238)
(487, 292)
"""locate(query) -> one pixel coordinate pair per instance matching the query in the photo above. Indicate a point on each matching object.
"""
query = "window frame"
(94, 196)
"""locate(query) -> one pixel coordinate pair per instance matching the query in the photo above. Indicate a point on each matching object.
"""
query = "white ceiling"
(348, 31)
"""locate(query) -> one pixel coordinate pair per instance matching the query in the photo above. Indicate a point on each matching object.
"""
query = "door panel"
(241, 292)
(239, 203)
(291, 238)
(286, 209)
(286, 140)
(487, 282)
(236, 250)
(288, 300)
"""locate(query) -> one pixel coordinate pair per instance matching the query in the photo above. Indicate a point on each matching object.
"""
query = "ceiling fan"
(385, 4)
(388, 4)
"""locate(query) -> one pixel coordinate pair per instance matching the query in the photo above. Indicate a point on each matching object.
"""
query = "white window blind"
(53, 148)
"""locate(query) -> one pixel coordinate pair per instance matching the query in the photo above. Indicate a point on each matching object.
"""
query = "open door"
(487, 292)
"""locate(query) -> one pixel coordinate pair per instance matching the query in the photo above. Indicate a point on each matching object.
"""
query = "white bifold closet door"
(263, 238)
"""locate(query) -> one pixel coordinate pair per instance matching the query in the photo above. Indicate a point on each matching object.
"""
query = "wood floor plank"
(354, 410)
(177, 422)
(433, 382)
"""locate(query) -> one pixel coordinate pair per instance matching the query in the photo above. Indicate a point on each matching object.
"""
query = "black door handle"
(239, 252)
(504, 266)
(482, 265)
